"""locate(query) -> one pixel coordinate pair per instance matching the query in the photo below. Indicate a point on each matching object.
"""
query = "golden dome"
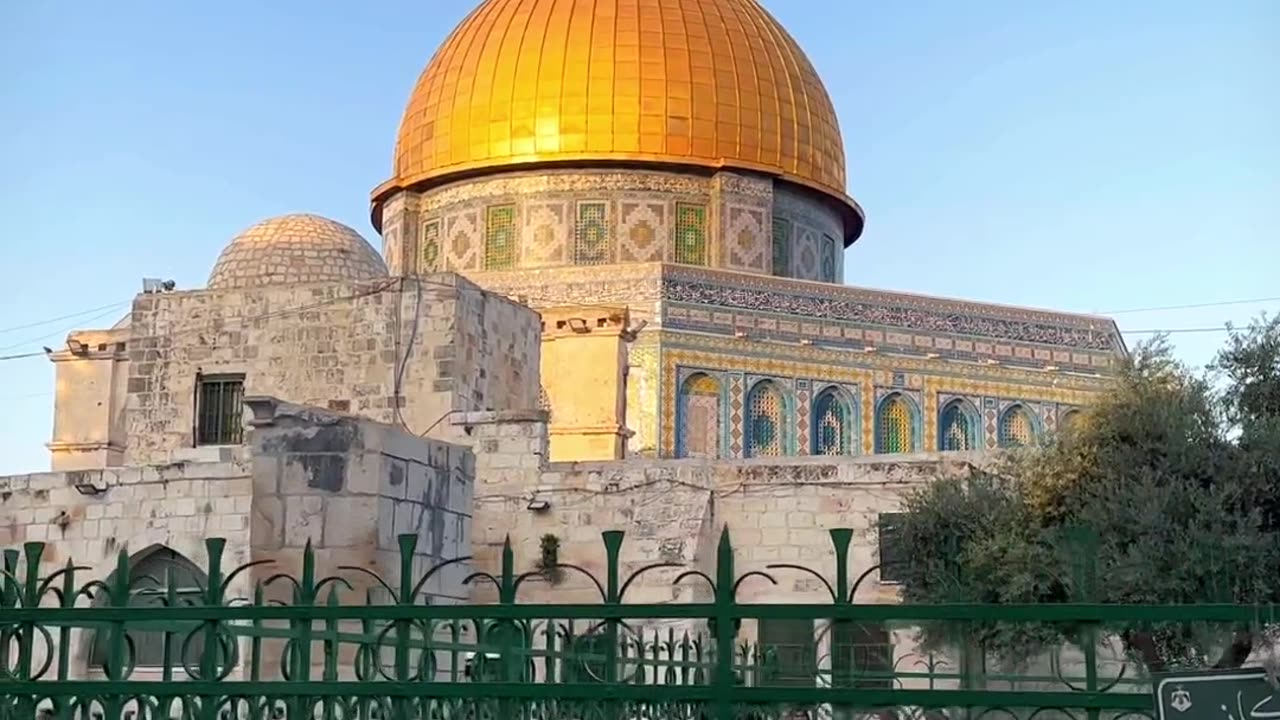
(294, 249)
(709, 83)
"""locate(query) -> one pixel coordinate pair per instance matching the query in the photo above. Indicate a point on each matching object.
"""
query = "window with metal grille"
(957, 428)
(861, 655)
(591, 234)
(781, 246)
(1068, 420)
(500, 238)
(691, 234)
(698, 419)
(219, 409)
(895, 426)
(788, 652)
(1016, 428)
(831, 426)
(892, 553)
(151, 573)
(429, 253)
(765, 420)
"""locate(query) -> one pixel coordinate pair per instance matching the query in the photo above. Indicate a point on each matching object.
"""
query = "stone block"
(266, 525)
(303, 519)
(350, 521)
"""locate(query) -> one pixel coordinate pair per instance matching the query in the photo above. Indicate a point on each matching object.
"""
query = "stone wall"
(350, 488)
(135, 511)
(406, 351)
(342, 486)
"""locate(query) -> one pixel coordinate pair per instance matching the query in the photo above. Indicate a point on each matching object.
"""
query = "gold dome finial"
(706, 83)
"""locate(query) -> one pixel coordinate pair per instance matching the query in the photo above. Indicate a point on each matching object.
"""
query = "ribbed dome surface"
(711, 83)
(295, 249)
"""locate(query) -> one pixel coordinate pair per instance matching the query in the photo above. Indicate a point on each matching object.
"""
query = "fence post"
(612, 597)
(1084, 567)
(722, 682)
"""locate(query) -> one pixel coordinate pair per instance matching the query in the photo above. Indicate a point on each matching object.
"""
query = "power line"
(251, 318)
(1192, 306)
(23, 355)
(56, 333)
(38, 323)
(1177, 331)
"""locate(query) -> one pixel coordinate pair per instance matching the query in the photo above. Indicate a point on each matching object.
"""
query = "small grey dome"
(296, 249)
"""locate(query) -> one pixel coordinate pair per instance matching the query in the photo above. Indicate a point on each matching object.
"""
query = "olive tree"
(1165, 491)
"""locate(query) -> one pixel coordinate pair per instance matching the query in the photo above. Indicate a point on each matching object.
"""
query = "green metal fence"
(176, 643)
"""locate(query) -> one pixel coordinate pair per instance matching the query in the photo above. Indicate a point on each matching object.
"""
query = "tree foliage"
(1166, 490)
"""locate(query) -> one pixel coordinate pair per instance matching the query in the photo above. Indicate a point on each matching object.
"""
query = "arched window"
(766, 420)
(832, 424)
(895, 425)
(1068, 420)
(698, 418)
(150, 572)
(958, 427)
(1017, 428)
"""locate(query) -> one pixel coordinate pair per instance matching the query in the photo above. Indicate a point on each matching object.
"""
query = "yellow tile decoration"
(935, 378)
(709, 83)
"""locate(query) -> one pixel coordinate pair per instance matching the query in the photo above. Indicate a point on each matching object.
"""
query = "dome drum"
(561, 218)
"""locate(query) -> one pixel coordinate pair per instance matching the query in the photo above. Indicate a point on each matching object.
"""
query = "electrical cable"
(1192, 306)
(65, 317)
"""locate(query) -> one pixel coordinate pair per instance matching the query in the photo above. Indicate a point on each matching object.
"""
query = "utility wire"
(38, 323)
(1192, 306)
(57, 333)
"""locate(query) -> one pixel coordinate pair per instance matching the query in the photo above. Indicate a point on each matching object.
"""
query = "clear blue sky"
(1090, 156)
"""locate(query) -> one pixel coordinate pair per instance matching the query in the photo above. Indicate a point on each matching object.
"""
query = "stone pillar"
(584, 368)
(88, 422)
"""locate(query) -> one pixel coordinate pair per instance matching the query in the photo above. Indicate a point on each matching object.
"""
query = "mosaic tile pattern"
(500, 250)
(642, 231)
(736, 407)
(699, 431)
(781, 246)
(295, 249)
(591, 234)
(542, 235)
(1016, 428)
(766, 423)
(463, 234)
(745, 241)
(429, 247)
(697, 353)
(803, 413)
(832, 306)
(827, 271)
(689, 242)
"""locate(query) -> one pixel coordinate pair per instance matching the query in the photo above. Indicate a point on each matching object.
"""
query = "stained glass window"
(591, 234)
(765, 420)
(429, 253)
(500, 238)
(1017, 429)
(781, 247)
(698, 428)
(831, 424)
(895, 423)
(957, 430)
(691, 234)
(829, 258)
